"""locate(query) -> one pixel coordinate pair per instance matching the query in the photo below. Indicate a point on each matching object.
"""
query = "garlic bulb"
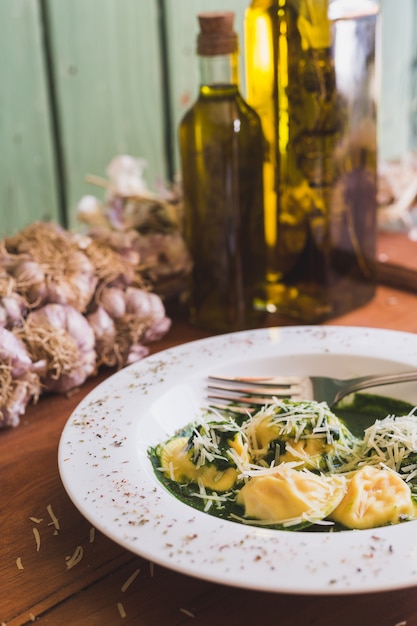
(19, 381)
(61, 336)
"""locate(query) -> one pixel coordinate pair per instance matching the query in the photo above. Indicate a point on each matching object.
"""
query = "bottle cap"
(216, 33)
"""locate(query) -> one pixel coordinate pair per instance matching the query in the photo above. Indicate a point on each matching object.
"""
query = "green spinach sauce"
(358, 414)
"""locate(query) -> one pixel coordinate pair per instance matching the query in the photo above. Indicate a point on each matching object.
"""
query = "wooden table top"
(41, 528)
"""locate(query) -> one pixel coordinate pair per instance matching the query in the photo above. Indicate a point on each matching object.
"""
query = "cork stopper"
(216, 33)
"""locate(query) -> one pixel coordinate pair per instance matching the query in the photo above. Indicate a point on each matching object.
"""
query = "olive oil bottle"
(311, 77)
(221, 148)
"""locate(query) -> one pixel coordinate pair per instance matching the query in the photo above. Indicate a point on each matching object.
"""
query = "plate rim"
(230, 578)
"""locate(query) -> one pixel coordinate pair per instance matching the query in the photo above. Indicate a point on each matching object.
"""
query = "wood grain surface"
(41, 530)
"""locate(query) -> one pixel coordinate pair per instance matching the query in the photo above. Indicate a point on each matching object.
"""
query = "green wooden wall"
(398, 109)
(85, 80)
(28, 181)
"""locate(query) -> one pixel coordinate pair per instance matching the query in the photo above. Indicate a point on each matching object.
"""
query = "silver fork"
(258, 391)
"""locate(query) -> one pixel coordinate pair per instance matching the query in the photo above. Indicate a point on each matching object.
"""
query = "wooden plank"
(182, 27)
(47, 591)
(46, 561)
(398, 31)
(107, 72)
(27, 177)
(413, 110)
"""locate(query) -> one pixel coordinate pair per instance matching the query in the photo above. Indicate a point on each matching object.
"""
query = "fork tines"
(255, 391)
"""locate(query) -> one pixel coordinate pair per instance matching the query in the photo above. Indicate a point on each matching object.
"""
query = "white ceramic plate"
(105, 468)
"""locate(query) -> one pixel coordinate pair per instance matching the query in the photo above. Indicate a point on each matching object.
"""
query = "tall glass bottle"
(221, 148)
(311, 77)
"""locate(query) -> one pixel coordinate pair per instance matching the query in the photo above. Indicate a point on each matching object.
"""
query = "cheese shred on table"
(75, 558)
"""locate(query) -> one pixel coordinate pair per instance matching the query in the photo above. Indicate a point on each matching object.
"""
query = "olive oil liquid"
(221, 150)
(318, 119)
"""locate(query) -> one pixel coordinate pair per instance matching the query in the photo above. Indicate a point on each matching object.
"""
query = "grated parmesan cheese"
(121, 609)
(75, 558)
(55, 521)
(37, 538)
(287, 434)
(391, 442)
(19, 563)
(129, 581)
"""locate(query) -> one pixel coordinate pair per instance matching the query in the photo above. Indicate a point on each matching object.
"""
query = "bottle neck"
(219, 70)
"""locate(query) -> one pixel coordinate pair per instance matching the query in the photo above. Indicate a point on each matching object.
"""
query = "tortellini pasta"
(208, 457)
(176, 460)
(307, 432)
(374, 497)
(294, 464)
(289, 496)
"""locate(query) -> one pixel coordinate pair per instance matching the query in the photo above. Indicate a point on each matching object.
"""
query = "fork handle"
(365, 382)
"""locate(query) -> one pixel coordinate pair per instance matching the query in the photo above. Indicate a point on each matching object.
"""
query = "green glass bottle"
(221, 148)
(311, 77)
